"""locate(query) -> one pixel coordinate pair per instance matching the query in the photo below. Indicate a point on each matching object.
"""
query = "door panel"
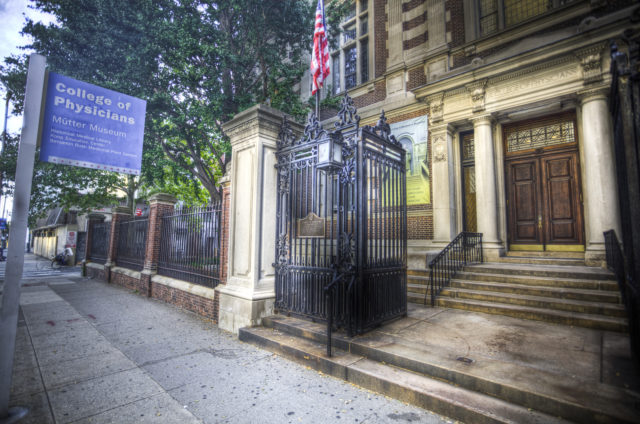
(562, 208)
(524, 202)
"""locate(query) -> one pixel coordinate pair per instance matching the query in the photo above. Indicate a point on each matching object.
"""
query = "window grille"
(539, 135)
(350, 65)
(516, 11)
(488, 16)
(468, 147)
(364, 61)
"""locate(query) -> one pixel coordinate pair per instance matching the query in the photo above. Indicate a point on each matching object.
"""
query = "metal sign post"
(18, 232)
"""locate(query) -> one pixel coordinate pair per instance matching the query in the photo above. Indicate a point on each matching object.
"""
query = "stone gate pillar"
(249, 293)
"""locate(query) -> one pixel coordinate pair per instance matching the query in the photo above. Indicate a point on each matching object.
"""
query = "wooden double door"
(544, 200)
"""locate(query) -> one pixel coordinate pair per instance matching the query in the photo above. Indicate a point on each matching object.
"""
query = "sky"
(12, 17)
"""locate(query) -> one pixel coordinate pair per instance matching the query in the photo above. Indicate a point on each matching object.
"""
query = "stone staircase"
(416, 360)
(552, 289)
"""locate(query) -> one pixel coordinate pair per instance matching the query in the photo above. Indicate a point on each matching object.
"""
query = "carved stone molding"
(594, 93)
(439, 137)
(436, 107)
(484, 119)
(591, 62)
(477, 90)
(439, 148)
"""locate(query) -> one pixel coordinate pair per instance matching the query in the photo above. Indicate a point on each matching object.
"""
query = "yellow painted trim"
(565, 247)
(526, 247)
(548, 247)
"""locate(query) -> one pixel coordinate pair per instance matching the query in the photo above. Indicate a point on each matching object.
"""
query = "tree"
(197, 63)
(111, 43)
(227, 55)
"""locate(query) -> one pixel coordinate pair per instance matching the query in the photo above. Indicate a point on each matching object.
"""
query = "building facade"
(502, 107)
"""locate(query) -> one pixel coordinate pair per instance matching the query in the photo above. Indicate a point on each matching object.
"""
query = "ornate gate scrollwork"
(358, 243)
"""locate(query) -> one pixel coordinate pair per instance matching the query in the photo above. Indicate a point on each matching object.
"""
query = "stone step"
(418, 273)
(417, 298)
(537, 254)
(540, 261)
(574, 283)
(510, 384)
(428, 393)
(543, 302)
(555, 271)
(417, 288)
(559, 292)
(597, 322)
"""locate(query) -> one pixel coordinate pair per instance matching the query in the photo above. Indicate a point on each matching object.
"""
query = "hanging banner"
(92, 127)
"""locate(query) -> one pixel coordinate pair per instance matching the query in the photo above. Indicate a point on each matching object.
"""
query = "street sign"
(138, 212)
(92, 127)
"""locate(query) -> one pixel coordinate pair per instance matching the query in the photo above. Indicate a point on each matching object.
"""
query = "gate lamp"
(329, 154)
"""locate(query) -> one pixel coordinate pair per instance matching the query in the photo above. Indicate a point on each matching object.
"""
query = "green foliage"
(227, 56)
(196, 63)
(112, 43)
(336, 11)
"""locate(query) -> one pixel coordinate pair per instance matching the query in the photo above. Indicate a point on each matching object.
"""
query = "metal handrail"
(465, 248)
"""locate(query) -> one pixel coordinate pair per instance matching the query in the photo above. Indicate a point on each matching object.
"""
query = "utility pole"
(15, 259)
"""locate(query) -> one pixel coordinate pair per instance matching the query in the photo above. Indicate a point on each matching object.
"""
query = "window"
(499, 14)
(335, 70)
(351, 60)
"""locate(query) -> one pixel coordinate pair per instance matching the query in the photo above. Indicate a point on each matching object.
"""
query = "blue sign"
(3, 223)
(92, 127)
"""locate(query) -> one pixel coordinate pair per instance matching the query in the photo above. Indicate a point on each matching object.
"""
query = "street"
(91, 352)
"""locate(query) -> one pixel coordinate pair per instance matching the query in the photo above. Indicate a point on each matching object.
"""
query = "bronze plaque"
(311, 226)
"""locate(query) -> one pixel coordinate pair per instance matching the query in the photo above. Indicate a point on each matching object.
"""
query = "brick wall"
(198, 304)
(380, 38)
(415, 41)
(152, 250)
(377, 95)
(98, 274)
(411, 4)
(455, 25)
(417, 78)
(127, 281)
(420, 227)
(224, 234)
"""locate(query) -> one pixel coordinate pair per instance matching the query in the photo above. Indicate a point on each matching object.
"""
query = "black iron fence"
(132, 242)
(100, 235)
(629, 290)
(190, 245)
(465, 249)
(341, 246)
(625, 113)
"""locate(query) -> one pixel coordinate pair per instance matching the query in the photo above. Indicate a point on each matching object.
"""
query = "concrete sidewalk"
(93, 353)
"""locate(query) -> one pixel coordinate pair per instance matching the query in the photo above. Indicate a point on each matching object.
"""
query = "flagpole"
(318, 104)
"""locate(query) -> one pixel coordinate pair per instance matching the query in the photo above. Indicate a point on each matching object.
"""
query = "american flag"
(320, 56)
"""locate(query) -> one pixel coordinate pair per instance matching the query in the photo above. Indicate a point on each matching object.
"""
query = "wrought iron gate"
(341, 231)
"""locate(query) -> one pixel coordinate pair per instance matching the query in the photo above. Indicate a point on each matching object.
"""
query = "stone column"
(600, 191)
(118, 214)
(159, 205)
(249, 293)
(444, 210)
(486, 194)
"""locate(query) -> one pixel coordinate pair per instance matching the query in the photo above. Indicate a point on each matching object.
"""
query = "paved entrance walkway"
(93, 353)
